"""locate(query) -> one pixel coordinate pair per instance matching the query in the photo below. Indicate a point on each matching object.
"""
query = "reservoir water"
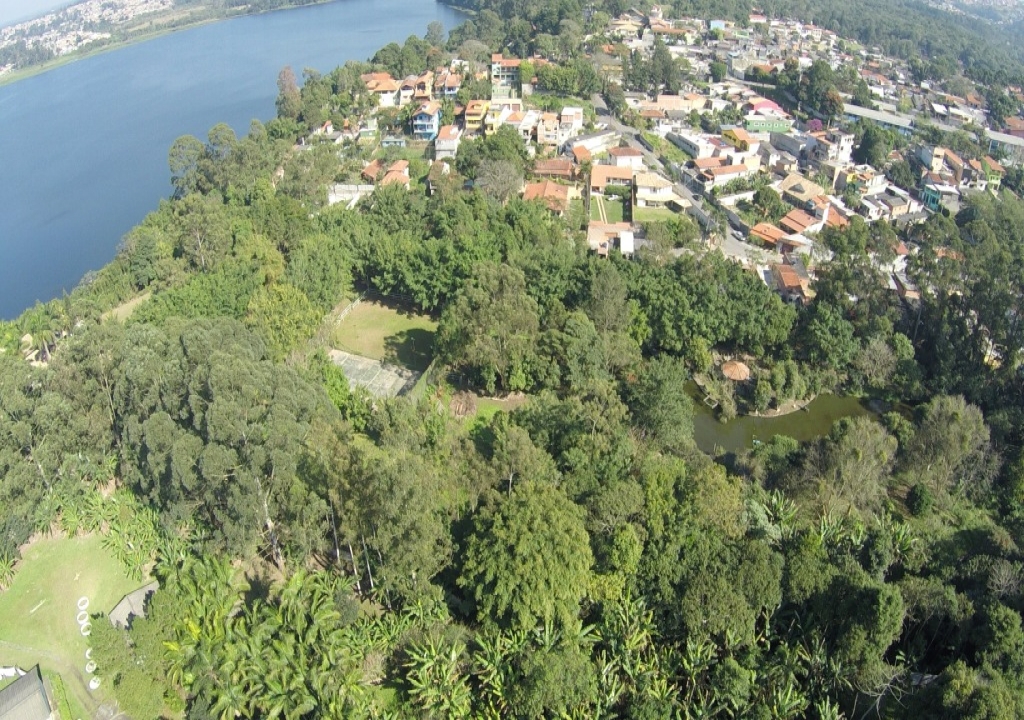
(83, 148)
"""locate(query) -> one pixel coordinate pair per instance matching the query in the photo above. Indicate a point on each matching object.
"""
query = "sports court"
(380, 379)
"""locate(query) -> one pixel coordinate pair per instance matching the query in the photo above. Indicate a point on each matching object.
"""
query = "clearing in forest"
(383, 332)
(39, 611)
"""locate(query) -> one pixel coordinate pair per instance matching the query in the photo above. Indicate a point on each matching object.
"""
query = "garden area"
(39, 611)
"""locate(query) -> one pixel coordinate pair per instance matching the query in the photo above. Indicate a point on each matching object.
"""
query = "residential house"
(604, 237)
(560, 168)
(383, 86)
(832, 146)
(398, 171)
(504, 72)
(715, 177)
(796, 144)
(798, 222)
(798, 191)
(652, 190)
(992, 171)
(571, 121)
(26, 699)
(553, 195)
(427, 121)
(790, 283)
(740, 139)
(767, 233)
(447, 84)
(131, 606)
(767, 123)
(549, 132)
(476, 112)
(936, 194)
(625, 27)
(581, 155)
(598, 142)
(601, 176)
(695, 146)
(446, 144)
(627, 157)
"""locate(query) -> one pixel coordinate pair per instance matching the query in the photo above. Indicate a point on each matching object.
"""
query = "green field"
(38, 611)
(382, 332)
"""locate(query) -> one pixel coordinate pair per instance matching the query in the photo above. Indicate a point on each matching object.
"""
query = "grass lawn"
(645, 214)
(382, 332)
(38, 611)
(613, 209)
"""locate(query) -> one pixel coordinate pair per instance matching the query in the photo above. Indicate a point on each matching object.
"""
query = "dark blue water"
(83, 148)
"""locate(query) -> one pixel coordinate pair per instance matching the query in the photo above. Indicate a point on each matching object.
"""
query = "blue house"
(427, 121)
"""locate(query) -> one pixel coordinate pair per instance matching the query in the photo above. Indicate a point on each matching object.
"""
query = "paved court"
(380, 379)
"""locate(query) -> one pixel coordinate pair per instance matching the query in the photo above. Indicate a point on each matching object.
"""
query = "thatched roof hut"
(735, 370)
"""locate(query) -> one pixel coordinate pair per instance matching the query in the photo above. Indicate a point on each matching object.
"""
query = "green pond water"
(816, 420)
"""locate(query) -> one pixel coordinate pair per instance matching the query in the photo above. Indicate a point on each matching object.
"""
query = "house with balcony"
(601, 176)
(476, 112)
(427, 121)
(447, 84)
(383, 86)
(504, 72)
(549, 132)
(653, 191)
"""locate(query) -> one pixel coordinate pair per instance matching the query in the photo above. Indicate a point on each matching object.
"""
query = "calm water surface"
(816, 420)
(83, 148)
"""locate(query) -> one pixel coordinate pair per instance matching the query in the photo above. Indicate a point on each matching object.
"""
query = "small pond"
(813, 421)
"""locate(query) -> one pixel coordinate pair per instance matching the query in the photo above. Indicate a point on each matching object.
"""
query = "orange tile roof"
(448, 132)
(788, 277)
(581, 153)
(767, 233)
(555, 196)
(711, 162)
(797, 221)
(601, 174)
(561, 167)
(394, 176)
(727, 170)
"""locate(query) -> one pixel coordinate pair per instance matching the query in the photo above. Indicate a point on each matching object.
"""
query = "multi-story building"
(427, 121)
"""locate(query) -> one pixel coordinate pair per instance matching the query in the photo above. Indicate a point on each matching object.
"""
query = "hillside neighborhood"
(760, 171)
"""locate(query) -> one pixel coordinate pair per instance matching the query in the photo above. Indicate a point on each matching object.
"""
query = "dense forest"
(324, 554)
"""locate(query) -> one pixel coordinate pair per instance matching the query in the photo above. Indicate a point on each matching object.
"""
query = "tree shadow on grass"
(412, 348)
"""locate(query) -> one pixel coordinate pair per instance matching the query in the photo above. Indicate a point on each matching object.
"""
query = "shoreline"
(33, 70)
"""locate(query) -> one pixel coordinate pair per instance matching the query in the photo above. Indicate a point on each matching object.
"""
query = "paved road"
(629, 134)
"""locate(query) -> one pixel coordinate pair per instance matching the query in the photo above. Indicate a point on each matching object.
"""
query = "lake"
(83, 148)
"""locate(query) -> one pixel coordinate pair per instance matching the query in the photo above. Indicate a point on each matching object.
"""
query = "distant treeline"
(934, 42)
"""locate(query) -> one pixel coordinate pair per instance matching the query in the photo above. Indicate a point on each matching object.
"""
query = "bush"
(919, 499)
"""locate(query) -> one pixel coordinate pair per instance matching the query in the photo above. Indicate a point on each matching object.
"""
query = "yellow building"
(476, 111)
